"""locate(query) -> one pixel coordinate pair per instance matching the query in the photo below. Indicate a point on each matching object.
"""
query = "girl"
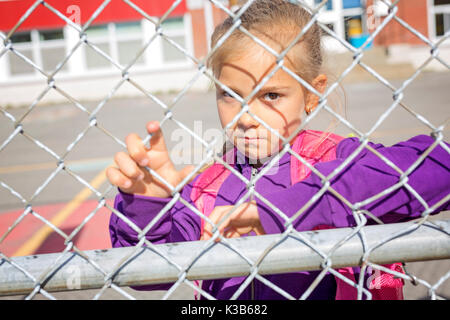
(240, 64)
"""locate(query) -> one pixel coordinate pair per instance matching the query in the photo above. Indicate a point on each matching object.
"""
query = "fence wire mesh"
(113, 268)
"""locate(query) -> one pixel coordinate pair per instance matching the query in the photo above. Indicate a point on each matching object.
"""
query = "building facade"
(119, 33)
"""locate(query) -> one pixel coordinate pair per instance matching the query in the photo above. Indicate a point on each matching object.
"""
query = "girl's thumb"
(186, 171)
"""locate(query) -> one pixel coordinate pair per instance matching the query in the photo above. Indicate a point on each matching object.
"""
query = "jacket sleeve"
(363, 177)
(179, 223)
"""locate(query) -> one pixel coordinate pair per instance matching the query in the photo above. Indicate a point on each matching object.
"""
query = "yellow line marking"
(33, 243)
(28, 167)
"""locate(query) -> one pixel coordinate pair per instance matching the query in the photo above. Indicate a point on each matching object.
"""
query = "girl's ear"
(312, 100)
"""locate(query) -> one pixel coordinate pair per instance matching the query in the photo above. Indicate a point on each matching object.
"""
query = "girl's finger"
(232, 234)
(117, 178)
(207, 231)
(157, 142)
(128, 166)
(215, 216)
(136, 149)
(206, 235)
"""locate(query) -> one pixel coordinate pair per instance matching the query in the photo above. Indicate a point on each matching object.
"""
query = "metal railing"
(293, 254)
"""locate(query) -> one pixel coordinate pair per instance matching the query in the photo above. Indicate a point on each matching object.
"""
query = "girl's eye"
(271, 96)
(225, 94)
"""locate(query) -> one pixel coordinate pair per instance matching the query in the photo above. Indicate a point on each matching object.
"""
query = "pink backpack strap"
(205, 189)
(385, 286)
(312, 146)
(204, 193)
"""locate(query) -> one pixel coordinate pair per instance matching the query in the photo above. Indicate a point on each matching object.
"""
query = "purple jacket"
(365, 176)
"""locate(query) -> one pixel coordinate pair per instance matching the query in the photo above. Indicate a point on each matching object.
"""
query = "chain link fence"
(253, 257)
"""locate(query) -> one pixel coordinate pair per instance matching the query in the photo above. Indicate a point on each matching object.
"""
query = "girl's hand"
(130, 175)
(242, 221)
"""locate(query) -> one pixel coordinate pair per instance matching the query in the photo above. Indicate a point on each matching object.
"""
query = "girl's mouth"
(252, 140)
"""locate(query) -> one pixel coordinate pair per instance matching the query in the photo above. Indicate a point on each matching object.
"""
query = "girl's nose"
(247, 121)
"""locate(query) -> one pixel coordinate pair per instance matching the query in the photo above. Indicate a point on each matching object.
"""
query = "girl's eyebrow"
(262, 90)
(272, 88)
(236, 90)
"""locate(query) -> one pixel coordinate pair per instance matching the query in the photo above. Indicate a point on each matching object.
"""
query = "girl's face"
(280, 102)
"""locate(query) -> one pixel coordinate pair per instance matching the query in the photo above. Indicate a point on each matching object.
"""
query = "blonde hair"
(279, 22)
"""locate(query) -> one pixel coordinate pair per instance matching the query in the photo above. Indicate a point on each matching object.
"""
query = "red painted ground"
(94, 234)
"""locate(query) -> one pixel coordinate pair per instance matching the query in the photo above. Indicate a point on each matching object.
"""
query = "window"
(17, 66)
(22, 42)
(441, 2)
(174, 29)
(129, 42)
(97, 31)
(21, 37)
(45, 35)
(52, 49)
(120, 41)
(346, 4)
(98, 35)
(46, 48)
(442, 21)
(328, 5)
(345, 16)
(441, 14)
